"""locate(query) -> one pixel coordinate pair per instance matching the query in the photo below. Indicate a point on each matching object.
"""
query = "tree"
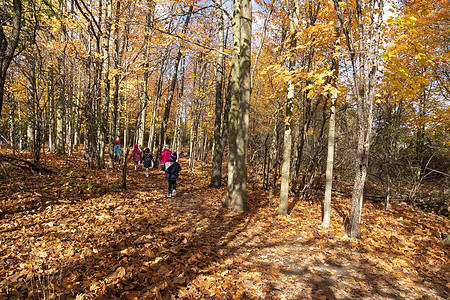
(288, 122)
(417, 81)
(331, 135)
(8, 44)
(216, 170)
(236, 197)
(172, 86)
(363, 43)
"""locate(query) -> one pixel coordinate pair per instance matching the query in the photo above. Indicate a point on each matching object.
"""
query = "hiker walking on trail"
(165, 155)
(147, 160)
(118, 152)
(136, 156)
(172, 168)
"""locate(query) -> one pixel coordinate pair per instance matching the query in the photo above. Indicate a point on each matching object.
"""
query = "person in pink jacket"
(165, 155)
(136, 156)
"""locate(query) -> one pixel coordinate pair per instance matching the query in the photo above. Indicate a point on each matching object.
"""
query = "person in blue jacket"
(118, 152)
(172, 168)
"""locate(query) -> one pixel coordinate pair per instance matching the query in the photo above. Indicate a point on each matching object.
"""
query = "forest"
(313, 138)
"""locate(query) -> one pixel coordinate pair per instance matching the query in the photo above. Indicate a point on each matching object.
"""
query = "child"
(118, 152)
(147, 158)
(136, 156)
(165, 155)
(172, 168)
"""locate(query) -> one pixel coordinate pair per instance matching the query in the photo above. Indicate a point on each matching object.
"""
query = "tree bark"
(287, 145)
(173, 85)
(240, 104)
(331, 135)
(216, 171)
(104, 108)
(8, 45)
(157, 93)
(365, 56)
(176, 143)
(114, 126)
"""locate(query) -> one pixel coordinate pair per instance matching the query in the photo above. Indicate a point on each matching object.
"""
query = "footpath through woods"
(67, 237)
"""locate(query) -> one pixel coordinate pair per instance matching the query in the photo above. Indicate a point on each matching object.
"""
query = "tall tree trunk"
(365, 56)
(114, 126)
(71, 115)
(60, 112)
(90, 110)
(18, 131)
(31, 103)
(77, 121)
(104, 108)
(11, 117)
(176, 143)
(193, 131)
(145, 77)
(173, 85)
(157, 94)
(51, 113)
(216, 170)
(331, 135)
(61, 104)
(287, 145)
(240, 105)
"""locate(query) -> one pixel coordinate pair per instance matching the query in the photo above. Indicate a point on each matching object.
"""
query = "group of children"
(167, 160)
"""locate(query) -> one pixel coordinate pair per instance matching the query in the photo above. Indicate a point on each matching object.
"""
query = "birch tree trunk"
(287, 145)
(51, 115)
(77, 121)
(11, 109)
(331, 135)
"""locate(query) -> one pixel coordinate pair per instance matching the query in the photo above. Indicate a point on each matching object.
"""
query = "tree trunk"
(365, 56)
(104, 108)
(216, 170)
(240, 104)
(60, 109)
(287, 145)
(331, 135)
(194, 122)
(31, 110)
(172, 86)
(114, 126)
(8, 45)
(176, 142)
(157, 93)
(51, 114)
(11, 116)
(77, 121)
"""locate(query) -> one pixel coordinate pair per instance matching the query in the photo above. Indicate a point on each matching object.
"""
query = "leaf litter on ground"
(85, 238)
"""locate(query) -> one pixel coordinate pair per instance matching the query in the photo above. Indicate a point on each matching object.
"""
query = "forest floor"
(67, 237)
